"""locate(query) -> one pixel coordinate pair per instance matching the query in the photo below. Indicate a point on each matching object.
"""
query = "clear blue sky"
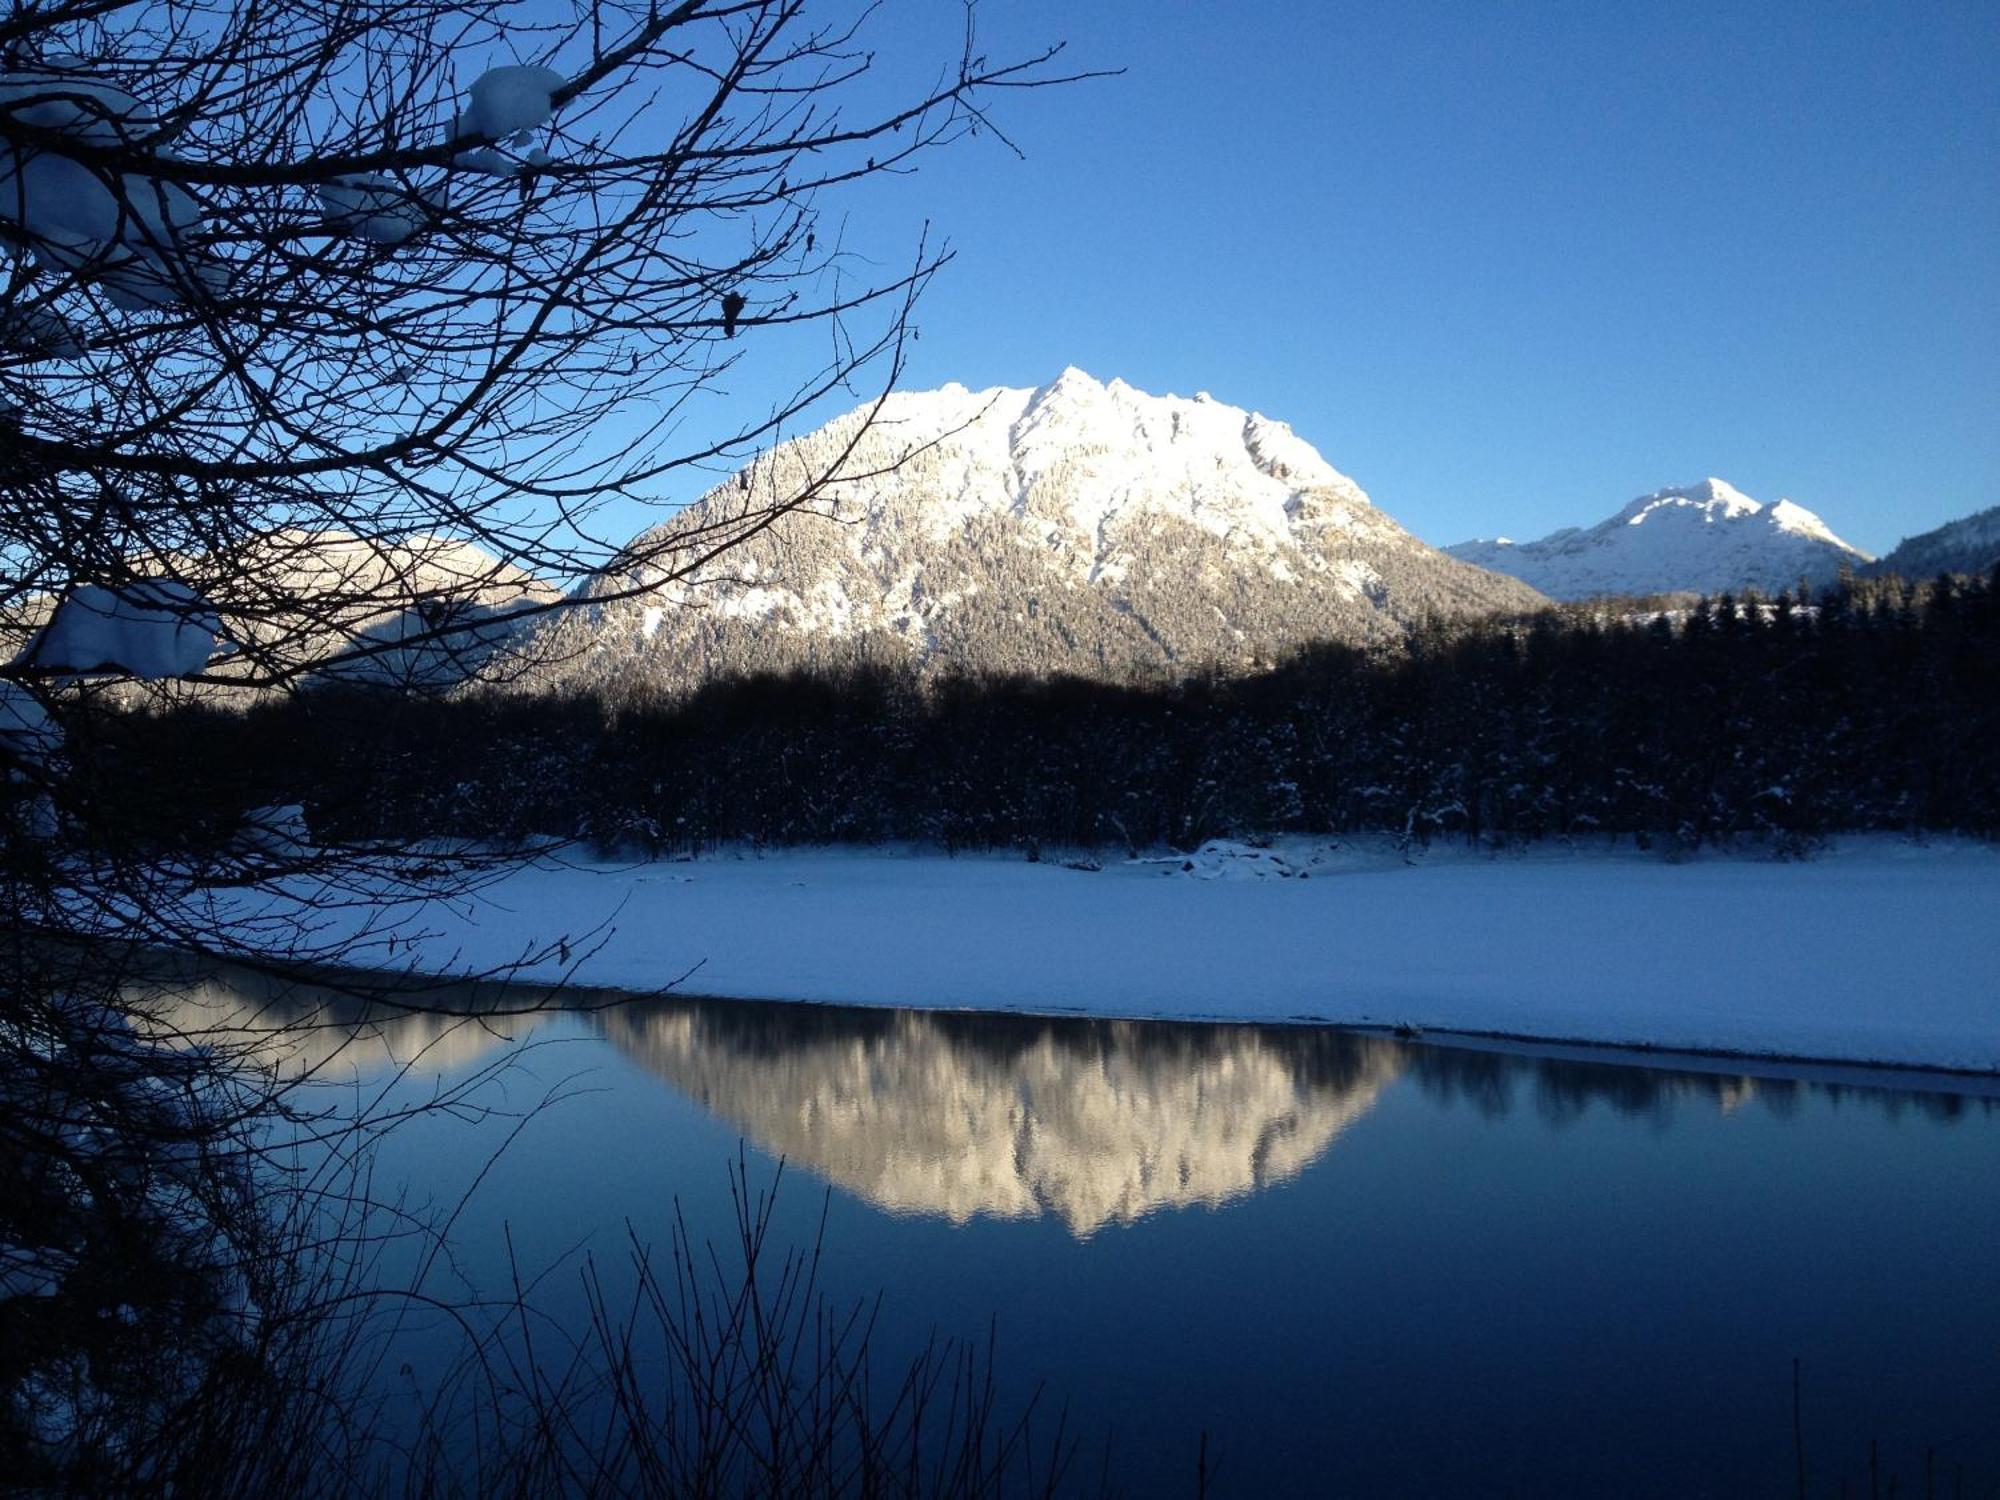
(1509, 265)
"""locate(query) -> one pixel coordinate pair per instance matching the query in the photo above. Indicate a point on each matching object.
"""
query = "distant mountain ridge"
(301, 604)
(412, 611)
(1710, 538)
(1077, 527)
(1970, 544)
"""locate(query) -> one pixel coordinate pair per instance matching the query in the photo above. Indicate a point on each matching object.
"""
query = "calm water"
(1363, 1266)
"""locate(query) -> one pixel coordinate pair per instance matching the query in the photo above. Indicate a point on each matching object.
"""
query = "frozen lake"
(1361, 1264)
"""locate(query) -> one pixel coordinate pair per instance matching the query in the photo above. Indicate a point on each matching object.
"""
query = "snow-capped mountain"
(1709, 538)
(1970, 544)
(1079, 527)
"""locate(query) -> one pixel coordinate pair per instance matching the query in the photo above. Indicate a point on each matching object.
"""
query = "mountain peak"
(1711, 500)
(1077, 526)
(1719, 492)
(1072, 383)
(1708, 537)
(1787, 515)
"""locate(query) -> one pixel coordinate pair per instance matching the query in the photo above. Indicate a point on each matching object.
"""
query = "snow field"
(1879, 952)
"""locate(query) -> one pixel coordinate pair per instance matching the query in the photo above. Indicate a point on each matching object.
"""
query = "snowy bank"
(1881, 951)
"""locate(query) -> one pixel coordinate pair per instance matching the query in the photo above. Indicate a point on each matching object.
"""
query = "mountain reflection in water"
(956, 1115)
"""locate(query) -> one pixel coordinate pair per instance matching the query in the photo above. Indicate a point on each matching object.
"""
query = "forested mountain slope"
(1970, 544)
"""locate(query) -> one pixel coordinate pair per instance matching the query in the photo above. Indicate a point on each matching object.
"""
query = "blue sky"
(1507, 265)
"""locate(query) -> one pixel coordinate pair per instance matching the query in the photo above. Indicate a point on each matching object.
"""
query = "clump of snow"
(506, 105)
(372, 207)
(155, 628)
(1226, 859)
(278, 832)
(487, 162)
(63, 96)
(508, 102)
(125, 231)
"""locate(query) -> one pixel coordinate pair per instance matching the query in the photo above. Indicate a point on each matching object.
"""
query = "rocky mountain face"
(1970, 544)
(1080, 527)
(1707, 538)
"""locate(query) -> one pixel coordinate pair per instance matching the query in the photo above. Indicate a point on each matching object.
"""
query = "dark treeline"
(1878, 707)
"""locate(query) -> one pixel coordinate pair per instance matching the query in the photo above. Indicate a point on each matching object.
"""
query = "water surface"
(1362, 1265)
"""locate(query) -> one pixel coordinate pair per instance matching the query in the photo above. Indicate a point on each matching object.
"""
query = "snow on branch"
(130, 233)
(153, 629)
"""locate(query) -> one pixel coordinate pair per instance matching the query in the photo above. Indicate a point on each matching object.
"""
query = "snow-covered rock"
(1709, 538)
(1080, 526)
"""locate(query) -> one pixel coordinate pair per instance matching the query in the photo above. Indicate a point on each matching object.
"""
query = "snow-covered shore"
(1879, 951)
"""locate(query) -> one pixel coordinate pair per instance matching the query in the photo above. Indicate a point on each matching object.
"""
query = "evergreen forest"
(1875, 706)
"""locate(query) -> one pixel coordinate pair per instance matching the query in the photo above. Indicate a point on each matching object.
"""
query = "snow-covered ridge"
(1115, 453)
(1708, 537)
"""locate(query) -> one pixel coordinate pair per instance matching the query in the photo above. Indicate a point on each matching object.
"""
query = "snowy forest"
(1877, 706)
